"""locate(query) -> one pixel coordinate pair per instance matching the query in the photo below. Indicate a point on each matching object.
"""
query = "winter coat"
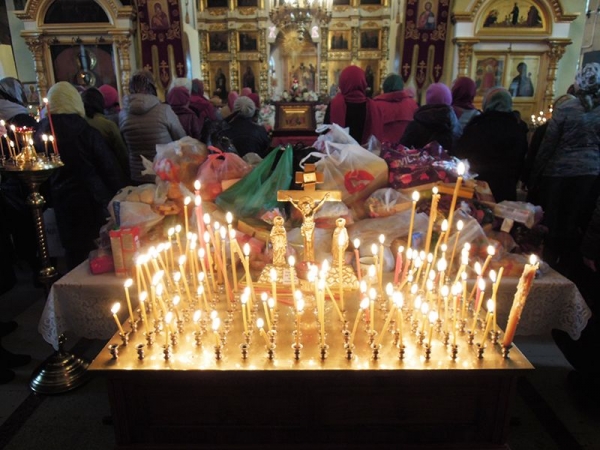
(179, 99)
(111, 134)
(495, 143)
(432, 123)
(247, 136)
(82, 188)
(571, 144)
(398, 110)
(145, 122)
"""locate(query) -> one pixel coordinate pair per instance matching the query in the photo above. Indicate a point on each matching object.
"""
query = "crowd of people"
(101, 142)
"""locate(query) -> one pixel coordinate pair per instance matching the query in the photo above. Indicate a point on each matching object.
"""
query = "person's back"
(435, 121)
(397, 108)
(145, 122)
(463, 91)
(244, 133)
(495, 145)
(179, 99)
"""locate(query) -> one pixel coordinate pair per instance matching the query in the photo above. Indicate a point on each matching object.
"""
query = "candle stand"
(62, 371)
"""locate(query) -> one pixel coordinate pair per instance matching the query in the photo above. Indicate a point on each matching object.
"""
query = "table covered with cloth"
(79, 303)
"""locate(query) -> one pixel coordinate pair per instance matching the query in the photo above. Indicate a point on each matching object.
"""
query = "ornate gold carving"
(123, 43)
(371, 8)
(371, 25)
(411, 31)
(369, 54)
(340, 26)
(439, 34)
(217, 11)
(34, 7)
(248, 26)
(556, 50)
(247, 11)
(219, 57)
(221, 26)
(339, 56)
(555, 6)
(37, 46)
(465, 52)
(246, 56)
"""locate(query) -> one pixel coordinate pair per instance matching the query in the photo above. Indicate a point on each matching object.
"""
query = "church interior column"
(37, 46)
(556, 51)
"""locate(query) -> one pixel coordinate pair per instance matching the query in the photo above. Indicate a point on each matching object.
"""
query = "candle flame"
(143, 296)
(244, 298)
(182, 260)
(187, 201)
(477, 268)
(456, 288)
(223, 233)
(373, 294)
(424, 308)
(381, 238)
(271, 302)
(128, 283)
(229, 217)
(264, 296)
(44, 136)
(197, 185)
(415, 196)
(247, 249)
(176, 300)
(216, 323)
(533, 259)
(374, 249)
(371, 271)
(292, 261)
(493, 275)
(197, 315)
(398, 299)
(177, 229)
(401, 249)
(300, 305)
(389, 289)
(460, 169)
(260, 323)
(435, 190)
(273, 274)
(490, 305)
(362, 286)
(364, 303)
(433, 316)
(417, 302)
(414, 289)
(197, 200)
(356, 243)
(171, 232)
(168, 317)
(177, 276)
(481, 284)
(214, 314)
(115, 308)
(491, 250)
(459, 225)
(445, 225)
(445, 291)
(206, 218)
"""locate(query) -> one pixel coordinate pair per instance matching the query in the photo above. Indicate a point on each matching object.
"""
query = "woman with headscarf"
(144, 122)
(397, 108)
(89, 179)
(495, 144)
(566, 168)
(463, 93)
(435, 121)
(243, 132)
(351, 108)
(179, 99)
(203, 108)
(111, 103)
(93, 102)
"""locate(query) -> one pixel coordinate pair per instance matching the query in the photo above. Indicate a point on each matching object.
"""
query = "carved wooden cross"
(308, 201)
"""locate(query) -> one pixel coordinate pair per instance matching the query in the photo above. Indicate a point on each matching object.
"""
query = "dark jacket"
(495, 143)
(82, 188)
(247, 136)
(432, 123)
(179, 99)
(144, 122)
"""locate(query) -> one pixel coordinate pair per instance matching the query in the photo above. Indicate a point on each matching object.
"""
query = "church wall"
(23, 58)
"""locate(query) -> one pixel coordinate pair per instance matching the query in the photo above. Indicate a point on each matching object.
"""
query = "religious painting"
(249, 75)
(248, 41)
(370, 2)
(84, 65)
(290, 117)
(31, 92)
(334, 68)
(510, 16)
(304, 75)
(339, 39)
(371, 68)
(219, 80)
(218, 41)
(247, 3)
(426, 15)
(157, 13)
(369, 40)
(522, 75)
(488, 72)
(341, 2)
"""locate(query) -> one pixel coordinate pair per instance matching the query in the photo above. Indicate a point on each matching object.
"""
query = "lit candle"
(399, 302)
(341, 246)
(398, 267)
(409, 254)
(143, 297)
(445, 291)
(244, 300)
(460, 171)
(115, 309)
(201, 291)
(321, 300)
(364, 304)
(52, 134)
(435, 198)
(415, 199)
(381, 261)
(292, 264)
(490, 319)
(247, 269)
(441, 239)
(491, 251)
(264, 297)
(45, 140)
(51, 139)
(519, 300)
(216, 323)
(178, 238)
(372, 297)
(478, 302)
(386, 325)
(186, 203)
(433, 317)
(182, 261)
(456, 289)
(459, 227)
(228, 292)
(170, 233)
(176, 300)
(201, 256)
(299, 311)
(207, 246)
(496, 284)
(14, 130)
(356, 244)
(196, 319)
(260, 323)
(232, 239)
(168, 319)
(127, 285)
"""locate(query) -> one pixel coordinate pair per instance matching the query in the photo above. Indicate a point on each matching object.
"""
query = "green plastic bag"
(257, 191)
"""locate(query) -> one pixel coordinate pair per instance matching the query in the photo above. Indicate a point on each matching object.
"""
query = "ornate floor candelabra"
(62, 371)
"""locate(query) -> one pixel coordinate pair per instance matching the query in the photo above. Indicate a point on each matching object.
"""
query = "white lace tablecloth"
(80, 303)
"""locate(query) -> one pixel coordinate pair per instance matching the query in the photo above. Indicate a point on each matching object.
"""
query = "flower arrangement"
(298, 94)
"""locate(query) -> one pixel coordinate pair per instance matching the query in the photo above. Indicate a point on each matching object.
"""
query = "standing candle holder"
(401, 352)
(114, 350)
(149, 338)
(506, 350)
(140, 348)
(454, 352)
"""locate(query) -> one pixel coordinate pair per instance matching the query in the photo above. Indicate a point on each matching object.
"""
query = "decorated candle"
(519, 300)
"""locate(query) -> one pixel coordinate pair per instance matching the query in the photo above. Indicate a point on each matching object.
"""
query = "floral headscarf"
(589, 86)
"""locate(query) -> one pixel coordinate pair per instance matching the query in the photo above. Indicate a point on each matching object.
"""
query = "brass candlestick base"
(114, 350)
(61, 372)
(140, 351)
(198, 338)
(297, 348)
(480, 350)
(375, 351)
(244, 349)
(506, 350)
(271, 352)
(427, 352)
(470, 337)
(349, 351)
(324, 351)
(124, 338)
(495, 337)
(149, 338)
(454, 352)
(167, 352)
(401, 352)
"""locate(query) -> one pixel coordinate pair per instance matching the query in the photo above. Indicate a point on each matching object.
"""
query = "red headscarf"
(353, 87)
(231, 98)
(463, 93)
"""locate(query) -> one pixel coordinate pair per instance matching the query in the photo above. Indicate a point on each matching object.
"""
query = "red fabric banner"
(160, 28)
(426, 26)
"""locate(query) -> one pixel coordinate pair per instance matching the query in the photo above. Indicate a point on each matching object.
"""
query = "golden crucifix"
(308, 201)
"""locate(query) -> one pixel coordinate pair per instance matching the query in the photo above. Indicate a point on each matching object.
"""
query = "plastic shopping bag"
(220, 168)
(257, 191)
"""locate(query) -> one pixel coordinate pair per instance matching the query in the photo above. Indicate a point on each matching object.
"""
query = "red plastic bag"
(220, 167)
